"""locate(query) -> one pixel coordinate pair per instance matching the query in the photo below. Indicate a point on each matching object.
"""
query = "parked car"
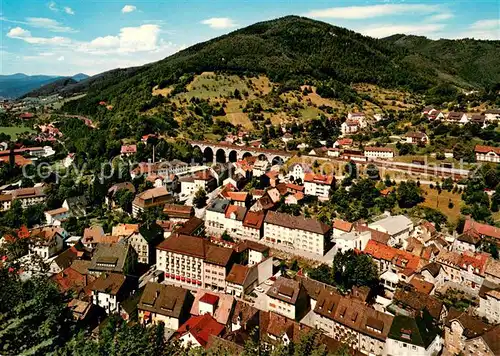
(259, 289)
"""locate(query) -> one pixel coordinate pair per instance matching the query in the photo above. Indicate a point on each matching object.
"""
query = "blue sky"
(65, 37)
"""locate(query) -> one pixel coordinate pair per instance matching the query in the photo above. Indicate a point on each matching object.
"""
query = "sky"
(65, 37)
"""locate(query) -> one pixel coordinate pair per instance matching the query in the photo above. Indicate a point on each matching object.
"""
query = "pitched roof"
(473, 228)
(218, 255)
(313, 288)
(72, 279)
(487, 149)
(186, 245)
(493, 268)
(178, 211)
(285, 289)
(219, 205)
(421, 285)
(492, 339)
(110, 283)
(238, 274)
(244, 312)
(223, 308)
(238, 211)
(342, 225)
(201, 327)
(360, 317)
(399, 257)
(164, 299)
(433, 268)
(66, 258)
(327, 303)
(92, 234)
(464, 260)
(45, 235)
(414, 331)
(419, 301)
(296, 222)
(191, 226)
(110, 257)
(318, 178)
(473, 326)
(254, 219)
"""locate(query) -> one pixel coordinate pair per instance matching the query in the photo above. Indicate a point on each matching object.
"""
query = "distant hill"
(16, 85)
(463, 62)
(295, 50)
(52, 88)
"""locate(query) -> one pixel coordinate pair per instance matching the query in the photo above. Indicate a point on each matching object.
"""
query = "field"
(440, 202)
(14, 131)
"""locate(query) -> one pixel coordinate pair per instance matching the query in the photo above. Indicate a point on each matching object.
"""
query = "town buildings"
(297, 232)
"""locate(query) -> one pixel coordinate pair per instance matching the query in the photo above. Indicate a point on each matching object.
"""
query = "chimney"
(157, 294)
(85, 280)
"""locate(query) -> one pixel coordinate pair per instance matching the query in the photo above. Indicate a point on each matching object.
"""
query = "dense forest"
(295, 50)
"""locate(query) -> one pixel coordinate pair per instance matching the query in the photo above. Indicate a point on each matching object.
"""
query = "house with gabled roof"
(413, 336)
(289, 298)
(462, 327)
(197, 330)
(164, 303)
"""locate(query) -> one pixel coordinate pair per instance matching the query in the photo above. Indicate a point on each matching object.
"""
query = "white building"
(489, 304)
(399, 228)
(318, 185)
(352, 240)
(379, 152)
(487, 154)
(297, 232)
(411, 338)
(108, 291)
(47, 241)
(215, 216)
(298, 170)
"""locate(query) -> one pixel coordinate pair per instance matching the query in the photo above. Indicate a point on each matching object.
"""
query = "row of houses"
(462, 118)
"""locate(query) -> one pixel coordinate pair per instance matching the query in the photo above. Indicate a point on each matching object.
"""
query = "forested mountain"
(464, 61)
(16, 85)
(295, 50)
(51, 88)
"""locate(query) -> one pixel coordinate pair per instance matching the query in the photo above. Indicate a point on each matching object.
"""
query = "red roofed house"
(479, 230)
(466, 269)
(253, 225)
(198, 329)
(318, 185)
(128, 150)
(341, 227)
(487, 154)
(395, 265)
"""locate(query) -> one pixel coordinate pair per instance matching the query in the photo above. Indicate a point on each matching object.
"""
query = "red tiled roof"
(342, 225)
(254, 219)
(237, 196)
(209, 299)
(318, 178)
(201, 328)
(476, 229)
(486, 149)
(401, 258)
(128, 149)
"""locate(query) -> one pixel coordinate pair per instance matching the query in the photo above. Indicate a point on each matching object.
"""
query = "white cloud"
(25, 35)
(488, 29)
(143, 38)
(439, 17)
(69, 10)
(18, 32)
(53, 6)
(128, 8)
(370, 11)
(49, 24)
(385, 30)
(131, 46)
(219, 23)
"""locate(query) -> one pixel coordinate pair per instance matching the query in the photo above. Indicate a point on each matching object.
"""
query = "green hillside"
(291, 51)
